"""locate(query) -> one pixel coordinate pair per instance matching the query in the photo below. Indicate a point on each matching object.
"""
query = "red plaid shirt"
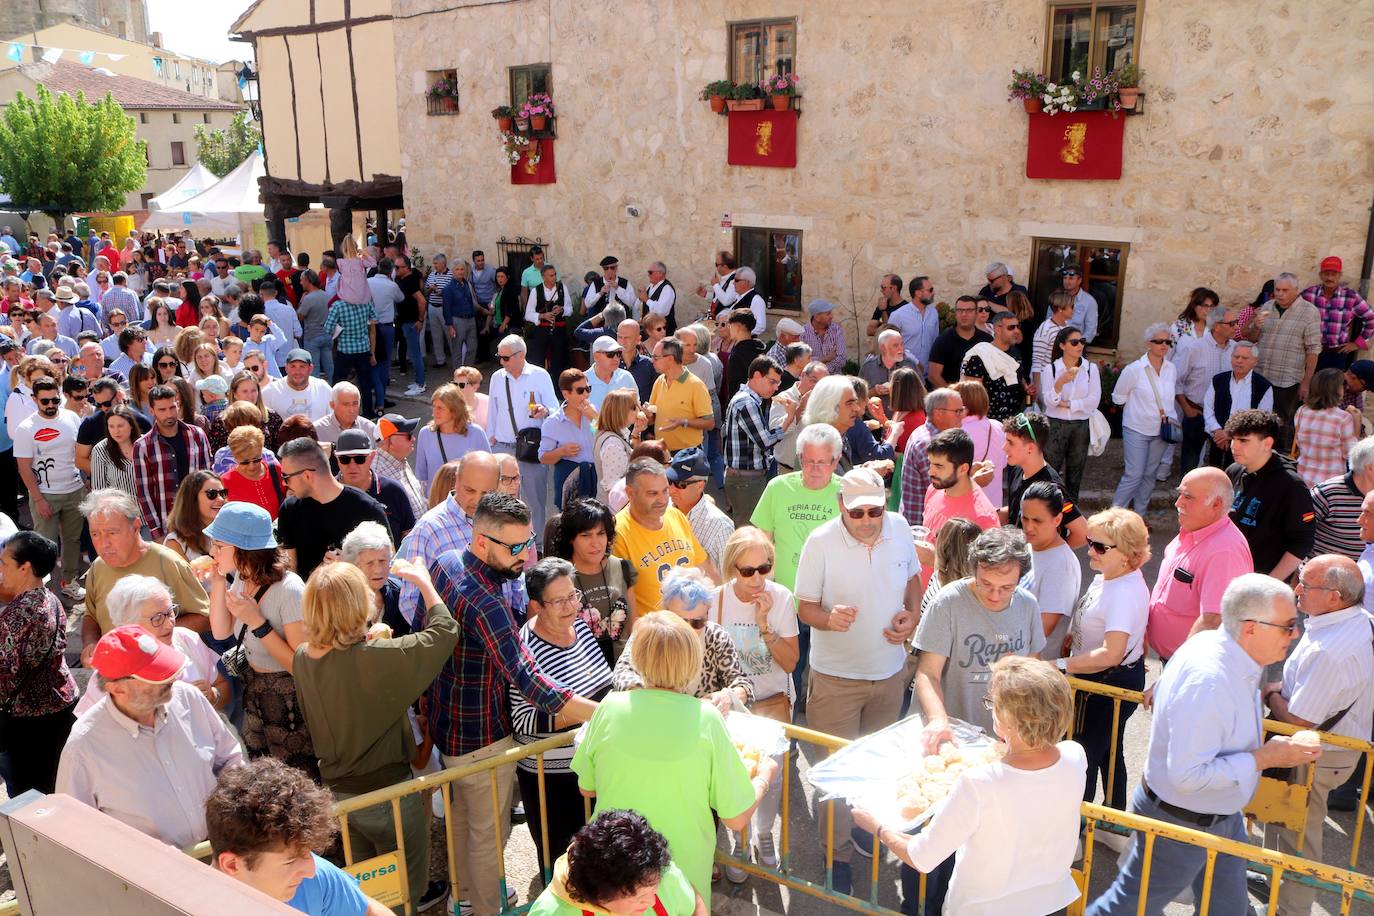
(155, 473)
(1338, 310)
(1324, 439)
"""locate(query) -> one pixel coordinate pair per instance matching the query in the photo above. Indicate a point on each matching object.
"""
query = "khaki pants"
(848, 708)
(744, 492)
(65, 528)
(478, 831)
(372, 832)
(1334, 768)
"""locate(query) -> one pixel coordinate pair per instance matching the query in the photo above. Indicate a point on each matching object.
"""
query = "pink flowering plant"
(446, 87)
(1104, 90)
(537, 104)
(781, 84)
(1026, 84)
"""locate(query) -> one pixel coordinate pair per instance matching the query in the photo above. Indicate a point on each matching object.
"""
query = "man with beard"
(952, 492)
(45, 448)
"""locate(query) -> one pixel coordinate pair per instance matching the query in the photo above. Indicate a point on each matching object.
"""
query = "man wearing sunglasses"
(1085, 311)
(45, 448)
(687, 476)
(1000, 284)
(859, 589)
(320, 512)
(395, 442)
(355, 456)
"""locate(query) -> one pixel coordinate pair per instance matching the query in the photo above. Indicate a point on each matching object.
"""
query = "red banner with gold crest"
(535, 165)
(1082, 145)
(767, 138)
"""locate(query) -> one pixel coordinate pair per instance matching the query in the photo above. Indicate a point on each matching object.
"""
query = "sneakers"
(863, 842)
(764, 851)
(735, 875)
(465, 906)
(74, 591)
(437, 892)
(840, 880)
(517, 811)
(414, 391)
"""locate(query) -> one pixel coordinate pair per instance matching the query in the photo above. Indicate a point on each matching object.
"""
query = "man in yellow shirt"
(681, 403)
(653, 536)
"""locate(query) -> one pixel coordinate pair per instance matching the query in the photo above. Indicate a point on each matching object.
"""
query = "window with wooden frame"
(176, 117)
(776, 257)
(527, 80)
(1083, 36)
(1103, 267)
(178, 153)
(441, 96)
(762, 48)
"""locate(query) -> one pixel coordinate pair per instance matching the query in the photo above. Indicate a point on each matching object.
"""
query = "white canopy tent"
(192, 183)
(229, 207)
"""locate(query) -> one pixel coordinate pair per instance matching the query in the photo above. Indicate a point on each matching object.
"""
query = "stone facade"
(1253, 154)
(120, 18)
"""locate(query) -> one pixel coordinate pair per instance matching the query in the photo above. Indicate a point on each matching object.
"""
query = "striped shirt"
(1332, 667)
(748, 442)
(354, 319)
(1337, 504)
(711, 527)
(1324, 439)
(434, 288)
(580, 668)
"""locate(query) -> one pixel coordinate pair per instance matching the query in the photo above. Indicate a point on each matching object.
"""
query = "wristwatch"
(261, 631)
(1062, 664)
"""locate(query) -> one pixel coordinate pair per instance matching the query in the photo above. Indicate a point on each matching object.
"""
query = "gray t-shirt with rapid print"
(957, 626)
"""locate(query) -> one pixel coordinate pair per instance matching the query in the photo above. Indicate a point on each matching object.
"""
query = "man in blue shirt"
(265, 819)
(1207, 749)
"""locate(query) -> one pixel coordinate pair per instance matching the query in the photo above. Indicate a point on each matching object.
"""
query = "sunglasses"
(748, 572)
(77, 397)
(1165, 342)
(461, 384)
(352, 459)
(217, 493)
(870, 512)
(1099, 548)
(505, 359)
(288, 475)
(983, 311)
(167, 364)
(696, 623)
(515, 549)
(1076, 342)
(47, 402)
(257, 460)
(582, 389)
(1070, 273)
(104, 405)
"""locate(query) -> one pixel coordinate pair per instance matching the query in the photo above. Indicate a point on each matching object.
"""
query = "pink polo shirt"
(1214, 556)
(941, 507)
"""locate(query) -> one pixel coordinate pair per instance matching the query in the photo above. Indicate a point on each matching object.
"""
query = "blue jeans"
(417, 359)
(1143, 454)
(1194, 436)
(322, 354)
(381, 377)
(1175, 866)
(715, 458)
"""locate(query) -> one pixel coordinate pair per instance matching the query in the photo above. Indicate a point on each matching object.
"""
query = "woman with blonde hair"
(240, 413)
(354, 694)
(1108, 644)
(443, 482)
(244, 387)
(252, 479)
(449, 435)
(679, 744)
(1012, 825)
(620, 424)
(185, 346)
(209, 308)
(988, 435)
(469, 381)
(205, 363)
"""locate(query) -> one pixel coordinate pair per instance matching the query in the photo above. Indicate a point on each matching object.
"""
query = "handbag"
(777, 707)
(526, 440)
(235, 658)
(1168, 429)
(7, 711)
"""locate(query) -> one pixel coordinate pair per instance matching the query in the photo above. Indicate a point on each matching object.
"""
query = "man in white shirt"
(521, 397)
(853, 572)
(660, 296)
(149, 752)
(45, 448)
(609, 286)
(1240, 389)
(345, 406)
(1200, 362)
(283, 316)
(298, 391)
(720, 289)
(919, 322)
(386, 295)
(747, 297)
(1084, 305)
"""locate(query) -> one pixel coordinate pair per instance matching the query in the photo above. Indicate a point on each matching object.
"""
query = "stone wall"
(1254, 153)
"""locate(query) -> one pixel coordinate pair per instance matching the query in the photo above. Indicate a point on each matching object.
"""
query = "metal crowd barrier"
(1349, 885)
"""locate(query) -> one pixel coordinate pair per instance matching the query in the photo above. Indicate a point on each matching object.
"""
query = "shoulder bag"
(7, 711)
(235, 658)
(1168, 429)
(526, 440)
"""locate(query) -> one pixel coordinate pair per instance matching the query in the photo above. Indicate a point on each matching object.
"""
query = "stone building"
(1252, 152)
(120, 18)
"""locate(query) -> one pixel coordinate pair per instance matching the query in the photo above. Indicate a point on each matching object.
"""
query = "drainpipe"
(1367, 265)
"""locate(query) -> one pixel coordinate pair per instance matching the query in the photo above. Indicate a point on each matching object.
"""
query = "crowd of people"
(295, 595)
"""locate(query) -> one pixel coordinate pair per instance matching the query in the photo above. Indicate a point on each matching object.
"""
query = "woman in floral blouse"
(582, 536)
(36, 689)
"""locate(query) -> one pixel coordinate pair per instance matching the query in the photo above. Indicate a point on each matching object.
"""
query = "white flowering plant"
(1059, 97)
(513, 145)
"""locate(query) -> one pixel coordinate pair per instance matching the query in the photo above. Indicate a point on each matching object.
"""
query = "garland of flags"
(53, 55)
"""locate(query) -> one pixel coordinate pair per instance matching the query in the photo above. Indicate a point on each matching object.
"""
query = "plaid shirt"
(829, 348)
(748, 442)
(354, 319)
(155, 473)
(1287, 340)
(436, 532)
(124, 299)
(389, 466)
(469, 704)
(1324, 439)
(1337, 311)
(916, 474)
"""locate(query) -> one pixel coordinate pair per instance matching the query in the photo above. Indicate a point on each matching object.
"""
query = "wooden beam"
(380, 187)
(333, 26)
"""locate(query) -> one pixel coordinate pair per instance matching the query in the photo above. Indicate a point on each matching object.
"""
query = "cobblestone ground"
(807, 860)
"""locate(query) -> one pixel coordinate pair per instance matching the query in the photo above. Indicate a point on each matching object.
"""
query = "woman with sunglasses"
(1072, 388)
(1146, 389)
(449, 435)
(144, 602)
(112, 459)
(252, 479)
(1192, 321)
(199, 498)
(568, 440)
(582, 535)
(1108, 645)
(760, 615)
(469, 380)
(165, 365)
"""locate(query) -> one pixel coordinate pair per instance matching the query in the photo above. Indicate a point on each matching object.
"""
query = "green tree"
(62, 155)
(221, 151)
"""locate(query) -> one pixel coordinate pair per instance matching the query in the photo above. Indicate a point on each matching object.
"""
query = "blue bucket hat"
(244, 526)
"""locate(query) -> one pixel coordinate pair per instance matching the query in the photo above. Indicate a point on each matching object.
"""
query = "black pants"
(9, 485)
(1092, 728)
(1194, 438)
(1334, 359)
(548, 348)
(566, 813)
(1067, 452)
(1286, 406)
(346, 364)
(937, 887)
(37, 742)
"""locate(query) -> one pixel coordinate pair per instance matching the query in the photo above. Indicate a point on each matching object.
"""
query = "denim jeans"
(1175, 866)
(417, 360)
(322, 354)
(1067, 452)
(381, 376)
(1143, 454)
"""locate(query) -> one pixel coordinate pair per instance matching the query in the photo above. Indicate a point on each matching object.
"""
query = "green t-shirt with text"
(790, 512)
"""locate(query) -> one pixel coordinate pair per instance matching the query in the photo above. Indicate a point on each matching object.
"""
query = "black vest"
(552, 306)
(725, 283)
(671, 316)
(1221, 394)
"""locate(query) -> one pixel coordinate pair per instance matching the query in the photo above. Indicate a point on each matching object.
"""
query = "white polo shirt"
(1332, 667)
(836, 569)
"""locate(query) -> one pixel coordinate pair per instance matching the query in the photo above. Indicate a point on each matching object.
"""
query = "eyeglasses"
(461, 384)
(118, 327)
(48, 402)
(1011, 327)
(353, 459)
(515, 549)
(870, 512)
(1290, 628)
(749, 572)
(104, 405)
(582, 389)
(1317, 588)
(1224, 321)
(219, 493)
(1161, 343)
(257, 460)
(1099, 548)
(1076, 342)
(503, 479)
(958, 410)
(162, 617)
(573, 600)
(696, 623)
(288, 475)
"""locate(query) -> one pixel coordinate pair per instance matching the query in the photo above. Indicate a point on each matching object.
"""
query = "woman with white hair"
(1146, 391)
(369, 548)
(145, 602)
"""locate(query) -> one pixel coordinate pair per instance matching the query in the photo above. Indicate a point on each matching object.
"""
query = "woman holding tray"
(1012, 825)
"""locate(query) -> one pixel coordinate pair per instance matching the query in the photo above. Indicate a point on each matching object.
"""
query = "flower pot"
(780, 102)
(1033, 105)
(450, 103)
(504, 123)
(522, 124)
(745, 104)
(1128, 95)
(539, 122)
(717, 103)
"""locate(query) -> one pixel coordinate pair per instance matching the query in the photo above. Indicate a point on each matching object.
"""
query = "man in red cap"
(148, 754)
(1339, 305)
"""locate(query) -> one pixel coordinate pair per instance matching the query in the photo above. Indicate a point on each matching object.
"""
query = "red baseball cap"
(1331, 263)
(130, 651)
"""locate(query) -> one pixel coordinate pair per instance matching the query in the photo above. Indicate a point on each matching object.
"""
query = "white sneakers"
(414, 391)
